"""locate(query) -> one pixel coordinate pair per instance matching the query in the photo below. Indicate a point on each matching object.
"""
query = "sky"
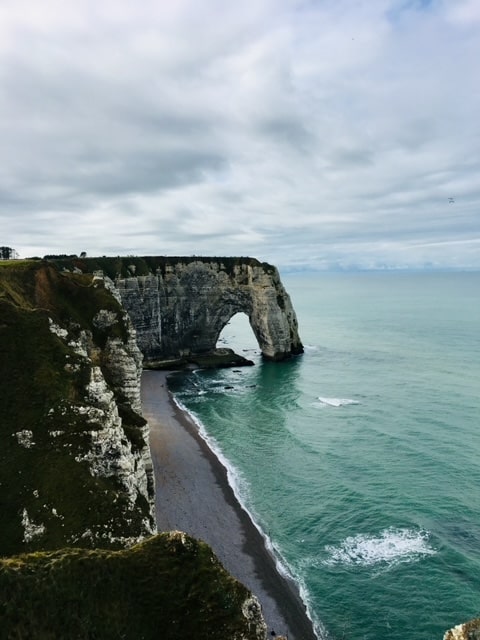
(312, 134)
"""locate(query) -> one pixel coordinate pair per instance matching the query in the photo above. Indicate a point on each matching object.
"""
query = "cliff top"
(145, 265)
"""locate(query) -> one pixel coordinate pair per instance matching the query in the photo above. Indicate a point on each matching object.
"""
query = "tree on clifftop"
(7, 253)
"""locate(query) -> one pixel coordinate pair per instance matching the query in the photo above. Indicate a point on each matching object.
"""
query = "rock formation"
(466, 631)
(69, 340)
(180, 310)
(75, 465)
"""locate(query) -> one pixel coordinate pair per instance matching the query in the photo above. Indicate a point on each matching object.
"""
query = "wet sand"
(193, 495)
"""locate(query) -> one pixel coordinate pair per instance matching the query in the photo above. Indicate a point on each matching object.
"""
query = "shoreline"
(193, 494)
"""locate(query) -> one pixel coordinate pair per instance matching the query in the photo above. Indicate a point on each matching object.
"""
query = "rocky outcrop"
(75, 465)
(76, 484)
(466, 631)
(73, 337)
(112, 389)
(180, 309)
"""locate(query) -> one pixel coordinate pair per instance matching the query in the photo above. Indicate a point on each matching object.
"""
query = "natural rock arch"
(180, 310)
(238, 323)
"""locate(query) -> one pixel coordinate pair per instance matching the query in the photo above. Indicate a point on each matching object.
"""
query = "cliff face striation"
(75, 465)
(181, 311)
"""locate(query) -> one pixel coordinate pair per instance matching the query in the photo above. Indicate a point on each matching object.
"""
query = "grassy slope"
(168, 587)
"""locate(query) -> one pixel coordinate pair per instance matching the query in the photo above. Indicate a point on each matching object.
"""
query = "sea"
(359, 460)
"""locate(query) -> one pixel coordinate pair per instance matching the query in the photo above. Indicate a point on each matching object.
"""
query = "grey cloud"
(304, 133)
(287, 131)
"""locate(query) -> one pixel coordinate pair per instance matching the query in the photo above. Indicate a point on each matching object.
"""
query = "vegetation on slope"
(168, 587)
(45, 427)
(144, 265)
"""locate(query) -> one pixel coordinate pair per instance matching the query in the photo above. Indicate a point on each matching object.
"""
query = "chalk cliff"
(75, 466)
(180, 309)
(76, 482)
(73, 335)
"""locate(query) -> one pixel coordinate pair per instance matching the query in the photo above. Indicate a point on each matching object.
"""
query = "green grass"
(170, 587)
(122, 266)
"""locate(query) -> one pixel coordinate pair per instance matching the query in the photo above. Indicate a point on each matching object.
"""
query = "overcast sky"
(307, 133)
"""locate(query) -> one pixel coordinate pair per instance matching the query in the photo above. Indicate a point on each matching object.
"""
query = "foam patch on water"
(391, 547)
(337, 402)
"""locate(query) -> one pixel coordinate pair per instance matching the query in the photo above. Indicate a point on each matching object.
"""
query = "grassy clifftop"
(168, 587)
(144, 265)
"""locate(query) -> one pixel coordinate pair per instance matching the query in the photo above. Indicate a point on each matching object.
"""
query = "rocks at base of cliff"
(217, 359)
(466, 631)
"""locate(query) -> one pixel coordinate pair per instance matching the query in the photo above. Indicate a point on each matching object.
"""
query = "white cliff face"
(110, 453)
(182, 310)
(252, 611)
(273, 318)
(31, 530)
(124, 364)
(102, 443)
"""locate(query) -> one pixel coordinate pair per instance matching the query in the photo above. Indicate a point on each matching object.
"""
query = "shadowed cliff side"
(75, 466)
(181, 312)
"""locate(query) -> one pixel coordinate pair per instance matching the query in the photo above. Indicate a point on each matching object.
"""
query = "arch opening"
(237, 334)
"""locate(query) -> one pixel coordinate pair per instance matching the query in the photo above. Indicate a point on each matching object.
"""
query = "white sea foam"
(337, 402)
(240, 489)
(391, 547)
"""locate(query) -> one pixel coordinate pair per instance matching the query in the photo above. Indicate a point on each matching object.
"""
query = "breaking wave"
(337, 402)
(391, 547)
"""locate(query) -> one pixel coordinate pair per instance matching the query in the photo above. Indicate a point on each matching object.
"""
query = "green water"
(360, 459)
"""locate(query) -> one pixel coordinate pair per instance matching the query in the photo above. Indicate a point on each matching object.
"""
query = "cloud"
(309, 134)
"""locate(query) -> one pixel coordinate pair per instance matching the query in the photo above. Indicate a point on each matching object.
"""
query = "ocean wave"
(337, 402)
(391, 547)
(214, 389)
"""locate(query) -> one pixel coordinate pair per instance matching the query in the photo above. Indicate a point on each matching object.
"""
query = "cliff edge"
(179, 305)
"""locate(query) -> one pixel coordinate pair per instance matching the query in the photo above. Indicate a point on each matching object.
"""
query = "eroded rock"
(180, 311)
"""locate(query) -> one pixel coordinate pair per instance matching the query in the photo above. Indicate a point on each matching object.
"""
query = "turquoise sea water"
(360, 460)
